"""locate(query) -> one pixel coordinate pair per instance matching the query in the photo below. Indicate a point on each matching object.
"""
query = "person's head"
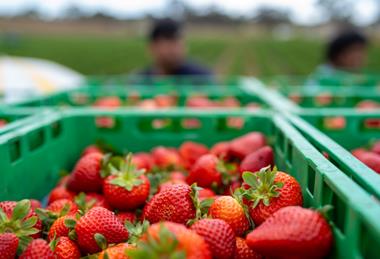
(166, 44)
(347, 51)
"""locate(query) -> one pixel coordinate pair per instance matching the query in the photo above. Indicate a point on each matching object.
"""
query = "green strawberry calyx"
(262, 186)
(201, 207)
(127, 175)
(164, 246)
(136, 230)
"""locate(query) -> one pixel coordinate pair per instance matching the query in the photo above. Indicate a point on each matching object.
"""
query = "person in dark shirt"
(168, 51)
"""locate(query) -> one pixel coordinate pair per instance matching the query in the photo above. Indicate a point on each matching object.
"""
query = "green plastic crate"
(336, 133)
(33, 156)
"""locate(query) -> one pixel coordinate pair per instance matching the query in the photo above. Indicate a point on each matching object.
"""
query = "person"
(168, 52)
(346, 52)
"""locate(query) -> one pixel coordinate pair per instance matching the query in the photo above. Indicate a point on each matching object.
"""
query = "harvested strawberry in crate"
(210, 192)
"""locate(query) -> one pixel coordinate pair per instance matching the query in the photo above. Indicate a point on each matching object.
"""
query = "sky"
(302, 11)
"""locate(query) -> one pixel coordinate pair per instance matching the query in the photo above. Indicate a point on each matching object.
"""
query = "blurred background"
(261, 38)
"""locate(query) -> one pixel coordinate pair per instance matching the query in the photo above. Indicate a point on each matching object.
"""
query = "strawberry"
(205, 193)
(221, 150)
(367, 105)
(168, 183)
(165, 101)
(35, 204)
(190, 152)
(3, 122)
(108, 102)
(99, 225)
(257, 160)
(62, 206)
(218, 235)
(91, 149)
(60, 192)
(171, 240)
(205, 172)
(86, 174)
(60, 228)
(166, 157)
(116, 252)
(125, 215)
(37, 249)
(230, 101)
(19, 218)
(270, 190)
(127, 188)
(8, 245)
(243, 251)
(143, 161)
(292, 232)
(376, 147)
(370, 159)
(94, 199)
(246, 144)
(199, 102)
(229, 210)
(174, 203)
(65, 248)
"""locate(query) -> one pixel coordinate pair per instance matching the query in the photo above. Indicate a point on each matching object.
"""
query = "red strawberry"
(3, 123)
(230, 101)
(270, 191)
(367, 105)
(8, 245)
(166, 239)
(102, 222)
(205, 172)
(246, 144)
(37, 249)
(166, 157)
(220, 150)
(370, 159)
(376, 147)
(125, 215)
(292, 232)
(117, 252)
(218, 235)
(35, 204)
(59, 228)
(57, 207)
(205, 193)
(257, 160)
(168, 183)
(165, 101)
(229, 210)
(176, 175)
(243, 251)
(91, 149)
(190, 152)
(96, 200)
(60, 192)
(128, 188)
(86, 174)
(143, 161)
(108, 102)
(174, 203)
(65, 248)
(16, 214)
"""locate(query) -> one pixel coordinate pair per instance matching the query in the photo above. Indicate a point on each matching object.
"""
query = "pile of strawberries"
(370, 156)
(228, 201)
(169, 101)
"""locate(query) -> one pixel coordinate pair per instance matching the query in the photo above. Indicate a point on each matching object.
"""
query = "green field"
(231, 56)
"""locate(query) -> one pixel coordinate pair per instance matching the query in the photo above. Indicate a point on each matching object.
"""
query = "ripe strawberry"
(246, 144)
(221, 150)
(125, 215)
(94, 199)
(243, 251)
(168, 183)
(165, 101)
(62, 206)
(102, 222)
(128, 188)
(270, 190)
(166, 239)
(60, 192)
(229, 210)
(370, 159)
(199, 102)
(376, 147)
(292, 232)
(166, 157)
(37, 249)
(230, 101)
(218, 235)
(19, 218)
(143, 161)
(35, 204)
(116, 252)
(174, 203)
(367, 105)
(86, 174)
(205, 172)
(3, 122)
(205, 193)
(190, 152)
(91, 149)
(8, 245)
(59, 228)
(108, 102)
(65, 248)
(257, 160)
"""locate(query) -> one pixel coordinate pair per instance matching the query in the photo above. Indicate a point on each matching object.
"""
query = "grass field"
(231, 56)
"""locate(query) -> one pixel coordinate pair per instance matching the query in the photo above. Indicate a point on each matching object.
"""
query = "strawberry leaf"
(29, 223)
(21, 209)
(101, 241)
(70, 223)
